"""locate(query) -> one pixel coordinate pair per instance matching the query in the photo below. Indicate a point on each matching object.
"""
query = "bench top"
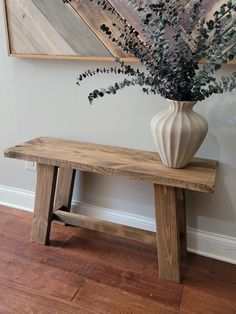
(199, 175)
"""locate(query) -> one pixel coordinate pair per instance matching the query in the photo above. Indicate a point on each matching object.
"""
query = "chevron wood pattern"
(30, 37)
(71, 27)
(50, 29)
(95, 20)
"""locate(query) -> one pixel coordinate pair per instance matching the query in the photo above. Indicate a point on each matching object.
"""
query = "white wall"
(41, 98)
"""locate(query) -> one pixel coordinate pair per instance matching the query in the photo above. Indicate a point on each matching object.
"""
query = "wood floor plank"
(144, 283)
(103, 299)
(39, 276)
(91, 268)
(196, 302)
(6, 211)
(131, 257)
(215, 285)
(213, 267)
(10, 266)
(46, 279)
(22, 228)
(210, 276)
(121, 251)
(102, 274)
(24, 248)
(22, 222)
(16, 299)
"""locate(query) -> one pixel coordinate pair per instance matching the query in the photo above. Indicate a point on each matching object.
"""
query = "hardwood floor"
(85, 271)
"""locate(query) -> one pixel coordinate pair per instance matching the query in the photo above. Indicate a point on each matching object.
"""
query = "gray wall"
(41, 98)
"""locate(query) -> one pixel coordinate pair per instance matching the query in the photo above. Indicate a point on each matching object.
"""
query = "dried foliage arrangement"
(170, 52)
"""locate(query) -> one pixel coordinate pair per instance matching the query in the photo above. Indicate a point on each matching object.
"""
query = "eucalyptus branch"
(135, 48)
(171, 52)
(123, 69)
(113, 89)
(226, 84)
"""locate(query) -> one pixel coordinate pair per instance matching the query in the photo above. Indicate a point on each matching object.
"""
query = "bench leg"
(65, 186)
(180, 193)
(168, 239)
(44, 199)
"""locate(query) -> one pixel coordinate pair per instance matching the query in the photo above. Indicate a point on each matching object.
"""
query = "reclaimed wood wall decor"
(50, 29)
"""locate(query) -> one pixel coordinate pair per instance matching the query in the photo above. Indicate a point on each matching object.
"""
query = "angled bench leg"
(168, 239)
(65, 186)
(44, 198)
(180, 193)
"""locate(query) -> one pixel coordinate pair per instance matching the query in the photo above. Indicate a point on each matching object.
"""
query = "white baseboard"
(201, 242)
(120, 217)
(17, 198)
(213, 245)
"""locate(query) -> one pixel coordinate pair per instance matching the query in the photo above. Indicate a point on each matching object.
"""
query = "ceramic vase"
(178, 132)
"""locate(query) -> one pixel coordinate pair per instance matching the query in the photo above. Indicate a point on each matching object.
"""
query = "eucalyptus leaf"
(171, 53)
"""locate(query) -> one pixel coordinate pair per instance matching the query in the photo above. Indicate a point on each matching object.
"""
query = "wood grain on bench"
(199, 175)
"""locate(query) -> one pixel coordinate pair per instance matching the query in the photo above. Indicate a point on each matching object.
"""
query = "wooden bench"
(57, 160)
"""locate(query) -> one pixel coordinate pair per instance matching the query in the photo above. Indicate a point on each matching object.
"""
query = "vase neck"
(177, 105)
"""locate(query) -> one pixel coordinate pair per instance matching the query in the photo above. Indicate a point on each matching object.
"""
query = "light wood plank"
(106, 227)
(26, 45)
(44, 199)
(72, 28)
(70, 58)
(168, 243)
(64, 190)
(82, 58)
(131, 15)
(94, 22)
(199, 175)
(31, 33)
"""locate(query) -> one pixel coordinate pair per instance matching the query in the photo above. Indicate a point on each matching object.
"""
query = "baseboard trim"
(212, 245)
(116, 216)
(18, 198)
(201, 242)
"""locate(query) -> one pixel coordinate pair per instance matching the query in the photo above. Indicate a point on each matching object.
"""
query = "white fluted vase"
(178, 132)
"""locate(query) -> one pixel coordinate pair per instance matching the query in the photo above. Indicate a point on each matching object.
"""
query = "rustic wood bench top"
(199, 175)
(57, 162)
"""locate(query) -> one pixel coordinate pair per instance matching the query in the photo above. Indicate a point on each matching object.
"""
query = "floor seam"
(77, 291)
(180, 301)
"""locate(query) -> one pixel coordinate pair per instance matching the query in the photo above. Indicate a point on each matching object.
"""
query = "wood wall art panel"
(53, 30)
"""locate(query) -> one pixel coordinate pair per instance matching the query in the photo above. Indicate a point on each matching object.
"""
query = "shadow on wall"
(217, 206)
(116, 193)
(220, 207)
(214, 213)
(221, 114)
